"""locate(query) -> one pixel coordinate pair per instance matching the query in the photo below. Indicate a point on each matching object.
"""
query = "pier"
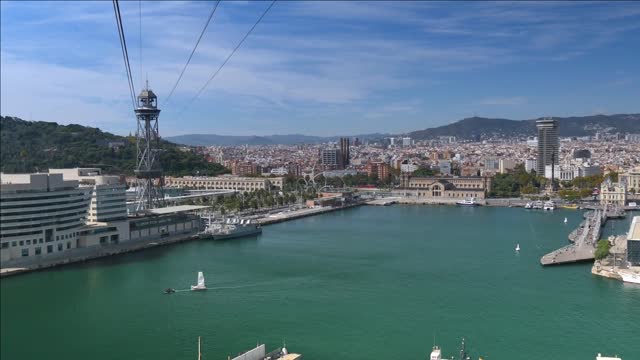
(297, 214)
(584, 238)
(384, 201)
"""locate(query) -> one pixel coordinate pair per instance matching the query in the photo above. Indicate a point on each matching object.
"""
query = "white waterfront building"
(108, 193)
(570, 172)
(40, 214)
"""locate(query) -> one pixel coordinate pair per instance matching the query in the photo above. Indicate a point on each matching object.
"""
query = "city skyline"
(322, 69)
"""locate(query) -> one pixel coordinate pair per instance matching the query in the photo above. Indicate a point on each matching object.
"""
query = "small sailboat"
(565, 220)
(201, 285)
(518, 247)
(199, 352)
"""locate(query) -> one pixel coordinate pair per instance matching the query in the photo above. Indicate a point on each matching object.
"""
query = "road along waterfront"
(361, 283)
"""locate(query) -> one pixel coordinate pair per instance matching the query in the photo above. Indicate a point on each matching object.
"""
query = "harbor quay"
(584, 238)
(623, 261)
(95, 222)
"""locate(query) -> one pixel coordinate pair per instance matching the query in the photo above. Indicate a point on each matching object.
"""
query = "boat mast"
(199, 353)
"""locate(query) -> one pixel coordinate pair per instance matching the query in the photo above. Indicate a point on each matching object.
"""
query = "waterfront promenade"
(584, 238)
(79, 255)
(297, 214)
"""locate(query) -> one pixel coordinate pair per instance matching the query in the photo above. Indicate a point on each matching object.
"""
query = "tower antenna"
(149, 189)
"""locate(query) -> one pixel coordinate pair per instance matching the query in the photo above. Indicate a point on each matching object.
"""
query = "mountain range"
(474, 128)
(477, 128)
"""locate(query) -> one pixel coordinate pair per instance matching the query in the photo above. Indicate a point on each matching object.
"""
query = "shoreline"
(81, 255)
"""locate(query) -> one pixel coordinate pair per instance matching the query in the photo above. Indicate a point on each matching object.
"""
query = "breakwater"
(584, 238)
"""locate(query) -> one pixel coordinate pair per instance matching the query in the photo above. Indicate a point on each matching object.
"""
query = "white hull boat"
(630, 277)
(549, 205)
(467, 202)
(201, 285)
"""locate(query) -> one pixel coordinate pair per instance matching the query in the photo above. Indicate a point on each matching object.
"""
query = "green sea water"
(369, 282)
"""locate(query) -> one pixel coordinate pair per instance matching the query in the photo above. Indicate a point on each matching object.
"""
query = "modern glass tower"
(548, 144)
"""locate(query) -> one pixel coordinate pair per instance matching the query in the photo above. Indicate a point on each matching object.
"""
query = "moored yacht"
(528, 205)
(467, 202)
(549, 205)
(630, 277)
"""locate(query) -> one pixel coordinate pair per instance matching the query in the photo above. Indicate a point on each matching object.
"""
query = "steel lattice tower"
(149, 192)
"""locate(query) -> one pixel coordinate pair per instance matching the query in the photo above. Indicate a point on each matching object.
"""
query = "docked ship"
(259, 353)
(549, 205)
(467, 202)
(630, 277)
(231, 229)
(436, 353)
(537, 204)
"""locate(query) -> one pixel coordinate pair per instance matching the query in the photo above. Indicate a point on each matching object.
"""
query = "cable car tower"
(149, 190)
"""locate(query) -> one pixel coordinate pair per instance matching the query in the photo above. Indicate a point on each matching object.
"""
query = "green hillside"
(28, 146)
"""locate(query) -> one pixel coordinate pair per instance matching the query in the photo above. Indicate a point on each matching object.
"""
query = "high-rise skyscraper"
(344, 151)
(548, 144)
(331, 158)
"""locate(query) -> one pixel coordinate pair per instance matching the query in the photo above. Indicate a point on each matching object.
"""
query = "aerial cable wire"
(140, 40)
(229, 57)
(125, 53)
(213, 11)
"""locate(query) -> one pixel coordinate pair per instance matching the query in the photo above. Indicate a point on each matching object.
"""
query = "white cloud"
(312, 59)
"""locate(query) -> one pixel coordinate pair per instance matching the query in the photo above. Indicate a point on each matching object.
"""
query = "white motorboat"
(549, 205)
(436, 353)
(200, 285)
(528, 205)
(630, 277)
(565, 220)
(518, 247)
(537, 205)
(467, 202)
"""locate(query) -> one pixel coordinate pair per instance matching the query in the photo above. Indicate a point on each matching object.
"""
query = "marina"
(319, 281)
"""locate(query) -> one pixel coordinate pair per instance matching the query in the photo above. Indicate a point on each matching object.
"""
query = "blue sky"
(321, 68)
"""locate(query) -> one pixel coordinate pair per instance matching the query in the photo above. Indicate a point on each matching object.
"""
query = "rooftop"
(177, 209)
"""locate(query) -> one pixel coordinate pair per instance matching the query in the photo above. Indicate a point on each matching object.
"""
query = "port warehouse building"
(445, 188)
(224, 182)
(48, 214)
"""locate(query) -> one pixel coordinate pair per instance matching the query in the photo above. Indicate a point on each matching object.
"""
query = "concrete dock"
(296, 214)
(384, 201)
(585, 238)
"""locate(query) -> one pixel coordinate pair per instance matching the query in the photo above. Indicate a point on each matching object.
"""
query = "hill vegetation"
(477, 128)
(36, 146)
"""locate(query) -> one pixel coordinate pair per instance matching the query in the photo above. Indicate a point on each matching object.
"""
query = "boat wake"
(227, 287)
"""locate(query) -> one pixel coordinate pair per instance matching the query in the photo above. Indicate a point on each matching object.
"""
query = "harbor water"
(368, 282)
